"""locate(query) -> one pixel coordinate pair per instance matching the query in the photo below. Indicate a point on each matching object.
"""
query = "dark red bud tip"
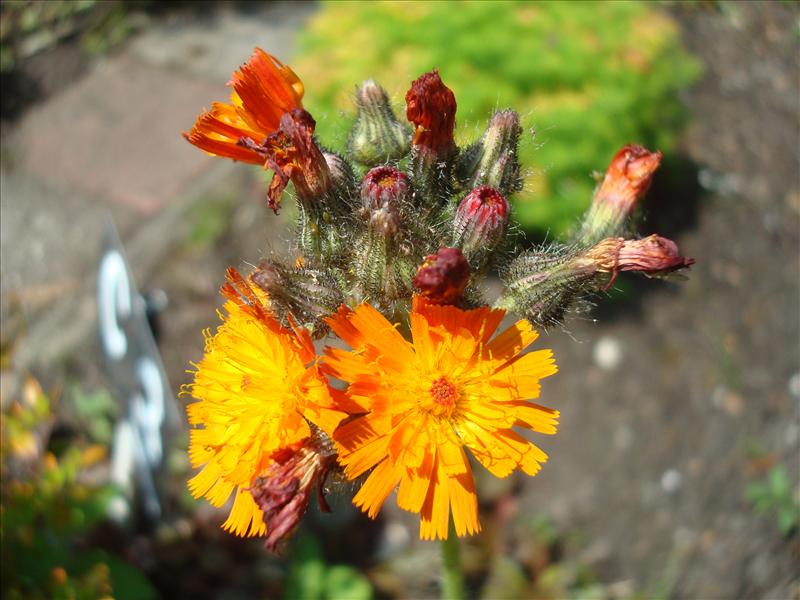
(486, 205)
(628, 177)
(383, 183)
(431, 106)
(443, 276)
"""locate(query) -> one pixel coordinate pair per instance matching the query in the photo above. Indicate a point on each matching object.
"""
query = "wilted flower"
(443, 276)
(263, 90)
(292, 154)
(283, 490)
(653, 255)
(424, 401)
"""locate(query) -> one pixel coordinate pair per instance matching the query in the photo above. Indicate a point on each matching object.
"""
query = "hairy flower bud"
(431, 107)
(443, 276)
(383, 192)
(626, 181)
(377, 136)
(283, 490)
(344, 180)
(480, 225)
(493, 160)
(303, 295)
(383, 269)
(545, 284)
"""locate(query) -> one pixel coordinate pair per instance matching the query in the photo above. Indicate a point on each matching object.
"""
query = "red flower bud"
(383, 191)
(628, 177)
(443, 276)
(626, 181)
(431, 107)
(480, 223)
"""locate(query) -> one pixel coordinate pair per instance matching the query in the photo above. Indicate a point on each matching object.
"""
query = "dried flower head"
(443, 276)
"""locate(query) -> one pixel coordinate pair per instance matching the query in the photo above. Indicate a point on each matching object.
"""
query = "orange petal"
(377, 488)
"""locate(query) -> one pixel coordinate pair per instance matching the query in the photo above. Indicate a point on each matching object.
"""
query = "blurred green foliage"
(774, 495)
(311, 578)
(49, 504)
(588, 77)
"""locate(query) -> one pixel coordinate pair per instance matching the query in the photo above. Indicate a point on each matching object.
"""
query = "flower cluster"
(394, 236)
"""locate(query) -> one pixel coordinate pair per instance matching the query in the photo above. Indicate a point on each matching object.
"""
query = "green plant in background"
(774, 495)
(311, 578)
(586, 76)
(49, 504)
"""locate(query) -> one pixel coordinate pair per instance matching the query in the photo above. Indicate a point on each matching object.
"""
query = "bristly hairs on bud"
(300, 294)
(493, 160)
(377, 136)
(431, 108)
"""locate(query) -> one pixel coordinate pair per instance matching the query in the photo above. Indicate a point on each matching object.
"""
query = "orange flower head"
(258, 394)
(263, 90)
(423, 402)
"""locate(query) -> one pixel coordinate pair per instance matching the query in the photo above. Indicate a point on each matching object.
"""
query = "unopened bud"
(384, 270)
(283, 490)
(480, 225)
(626, 181)
(377, 136)
(431, 107)
(344, 180)
(443, 276)
(301, 294)
(383, 192)
(493, 160)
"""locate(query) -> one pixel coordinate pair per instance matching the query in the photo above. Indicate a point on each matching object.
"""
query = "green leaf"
(345, 583)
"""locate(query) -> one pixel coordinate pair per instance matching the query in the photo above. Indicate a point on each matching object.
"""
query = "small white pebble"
(396, 535)
(794, 385)
(607, 353)
(671, 481)
(119, 509)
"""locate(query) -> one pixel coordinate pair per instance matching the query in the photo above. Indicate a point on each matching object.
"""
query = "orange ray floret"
(258, 393)
(264, 89)
(452, 387)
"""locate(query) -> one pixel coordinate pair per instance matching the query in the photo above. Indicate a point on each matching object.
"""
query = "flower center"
(444, 395)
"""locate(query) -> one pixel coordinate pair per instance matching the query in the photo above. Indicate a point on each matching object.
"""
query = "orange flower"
(257, 397)
(263, 90)
(424, 401)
